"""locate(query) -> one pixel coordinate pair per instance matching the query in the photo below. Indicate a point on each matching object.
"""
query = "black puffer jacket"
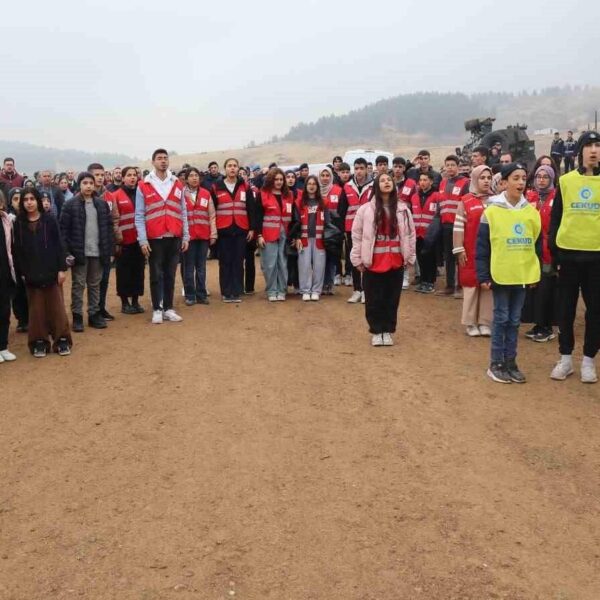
(72, 228)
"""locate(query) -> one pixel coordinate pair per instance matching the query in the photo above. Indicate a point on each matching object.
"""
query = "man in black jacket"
(557, 150)
(86, 228)
(570, 150)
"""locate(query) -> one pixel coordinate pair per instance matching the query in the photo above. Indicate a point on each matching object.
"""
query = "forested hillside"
(442, 115)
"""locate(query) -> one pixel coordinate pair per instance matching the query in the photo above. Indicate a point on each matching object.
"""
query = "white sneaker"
(1, 359)
(562, 370)
(377, 340)
(306, 297)
(171, 315)
(588, 372)
(207, 292)
(473, 331)
(7, 356)
(157, 317)
(485, 331)
(314, 297)
(362, 297)
(280, 297)
(272, 298)
(183, 292)
(348, 280)
(355, 298)
(387, 339)
(337, 280)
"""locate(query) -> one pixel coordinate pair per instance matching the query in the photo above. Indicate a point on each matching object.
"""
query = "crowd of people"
(514, 244)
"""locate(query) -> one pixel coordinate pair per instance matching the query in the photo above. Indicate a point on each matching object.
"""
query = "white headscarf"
(325, 189)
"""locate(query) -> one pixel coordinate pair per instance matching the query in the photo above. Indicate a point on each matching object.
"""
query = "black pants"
(557, 159)
(569, 163)
(19, 303)
(163, 268)
(572, 277)
(449, 259)
(231, 253)
(356, 274)
(130, 271)
(544, 302)
(6, 293)
(293, 274)
(427, 262)
(382, 297)
(250, 267)
(104, 285)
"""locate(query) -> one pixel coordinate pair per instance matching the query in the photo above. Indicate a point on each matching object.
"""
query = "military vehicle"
(513, 139)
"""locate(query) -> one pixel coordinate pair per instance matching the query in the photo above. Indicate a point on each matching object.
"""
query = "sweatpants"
(356, 275)
(572, 277)
(273, 262)
(427, 262)
(449, 258)
(478, 306)
(311, 268)
(231, 253)
(163, 262)
(89, 275)
(382, 298)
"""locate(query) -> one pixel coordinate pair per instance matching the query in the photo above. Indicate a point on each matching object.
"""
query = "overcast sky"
(131, 75)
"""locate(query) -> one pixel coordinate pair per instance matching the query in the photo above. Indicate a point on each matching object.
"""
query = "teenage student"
(507, 262)
(383, 245)
(8, 278)
(331, 193)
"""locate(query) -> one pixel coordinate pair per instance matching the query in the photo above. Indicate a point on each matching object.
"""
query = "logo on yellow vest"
(519, 240)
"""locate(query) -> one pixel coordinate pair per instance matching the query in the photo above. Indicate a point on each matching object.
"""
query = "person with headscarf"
(292, 253)
(542, 297)
(331, 193)
(477, 302)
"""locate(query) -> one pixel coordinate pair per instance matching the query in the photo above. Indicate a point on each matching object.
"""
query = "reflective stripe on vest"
(579, 227)
(126, 210)
(354, 202)
(513, 234)
(198, 216)
(163, 217)
(275, 216)
(450, 201)
(232, 210)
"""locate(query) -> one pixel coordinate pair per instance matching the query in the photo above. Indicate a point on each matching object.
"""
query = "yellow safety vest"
(513, 234)
(580, 224)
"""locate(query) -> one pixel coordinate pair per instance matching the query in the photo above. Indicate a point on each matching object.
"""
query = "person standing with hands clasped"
(162, 228)
(507, 262)
(383, 245)
(574, 241)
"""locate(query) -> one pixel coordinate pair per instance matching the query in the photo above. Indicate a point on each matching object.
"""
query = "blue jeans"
(508, 303)
(194, 270)
(273, 262)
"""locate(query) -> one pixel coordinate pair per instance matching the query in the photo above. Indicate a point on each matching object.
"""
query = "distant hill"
(30, 158)
(442, 115)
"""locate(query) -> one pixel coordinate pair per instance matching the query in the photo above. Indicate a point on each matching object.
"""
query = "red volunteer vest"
(545, 212)
(449, 201)
(332, 200)
(387, 252)
(275, 217)
(126, 210)
(354, 202)
(423, 215)
(473, 208)
(162, 216)
(320, 226)
(230, 209)
(197, 213)
(406, 190)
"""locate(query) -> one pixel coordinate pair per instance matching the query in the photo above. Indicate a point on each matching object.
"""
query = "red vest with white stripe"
(355, 201)
(126, 210)
(449, 201)
(545, 212)
(387, 252)
(275, 217)
(320, 225)
(163, 216)
(423, 215)
(406, 189)
(230, 209)
(473, 209)
(332, 200)
(197, 214)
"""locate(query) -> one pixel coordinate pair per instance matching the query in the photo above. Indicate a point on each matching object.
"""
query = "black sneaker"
(106, 315)
(62, 347)
(428, 288)
(127, 309)
(97, 321)
(138, 308)
(514, 373)
(190, 302)
(39, 349)
(531, 333)
(203, 300)
(497, 371)
(77, 323)
(22, 327)
(543, 335)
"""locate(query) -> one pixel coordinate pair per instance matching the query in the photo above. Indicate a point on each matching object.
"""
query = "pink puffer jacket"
(363, 235)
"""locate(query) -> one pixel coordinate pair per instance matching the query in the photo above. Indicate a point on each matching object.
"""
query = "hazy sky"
(131, 75)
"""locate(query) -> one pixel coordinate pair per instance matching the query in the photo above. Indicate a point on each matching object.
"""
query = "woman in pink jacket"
(383, 245)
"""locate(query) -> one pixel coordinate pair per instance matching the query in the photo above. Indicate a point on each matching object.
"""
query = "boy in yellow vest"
(507, 261)
(574, 241)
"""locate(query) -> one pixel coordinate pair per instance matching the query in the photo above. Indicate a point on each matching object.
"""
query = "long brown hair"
(393, 206)
(318, 196)
(269, 182)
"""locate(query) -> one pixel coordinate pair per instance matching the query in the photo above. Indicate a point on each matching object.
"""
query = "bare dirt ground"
(266, 451)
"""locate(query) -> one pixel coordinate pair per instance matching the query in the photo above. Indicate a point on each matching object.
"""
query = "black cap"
(511, 168)
(587, 137)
